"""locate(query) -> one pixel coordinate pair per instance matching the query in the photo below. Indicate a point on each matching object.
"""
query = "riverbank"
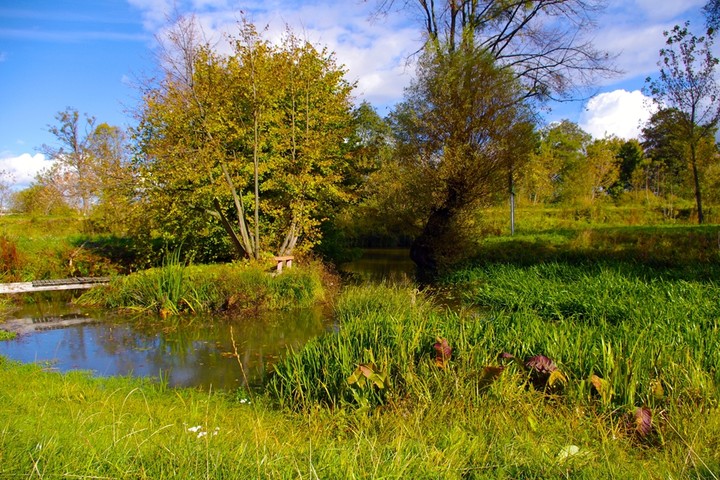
(459, 417)
(568, 356)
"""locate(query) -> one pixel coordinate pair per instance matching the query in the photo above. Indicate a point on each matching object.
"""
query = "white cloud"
(664, 9)
(24, 168)
(619, 113)
(373, 52)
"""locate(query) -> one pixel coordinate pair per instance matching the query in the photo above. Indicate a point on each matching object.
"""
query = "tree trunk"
(696, 177)
(425, 250)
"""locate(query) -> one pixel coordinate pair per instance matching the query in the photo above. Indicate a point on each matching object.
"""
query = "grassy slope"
(33, 248)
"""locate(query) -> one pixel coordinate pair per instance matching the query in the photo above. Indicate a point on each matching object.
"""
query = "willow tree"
(461, 126)
(250, 143)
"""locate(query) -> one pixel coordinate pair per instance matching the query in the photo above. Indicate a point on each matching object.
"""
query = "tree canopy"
(255, 139)
(545, 44)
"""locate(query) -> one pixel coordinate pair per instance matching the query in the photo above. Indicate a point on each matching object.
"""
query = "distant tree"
(687, 83)
(6, 181)
(603, 169)
(73, 173)
(563, 153)
(39, 199)
(665, 168)
(110, 150)
(630, 158)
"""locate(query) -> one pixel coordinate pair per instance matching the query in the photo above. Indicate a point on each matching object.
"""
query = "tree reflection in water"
(188, 351)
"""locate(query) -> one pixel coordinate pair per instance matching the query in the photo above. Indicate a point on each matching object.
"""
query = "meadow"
(622, 323)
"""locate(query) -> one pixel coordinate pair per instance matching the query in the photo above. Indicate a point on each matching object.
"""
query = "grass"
(71, 425)
(36, 247)
(630, 316)
(176, 288)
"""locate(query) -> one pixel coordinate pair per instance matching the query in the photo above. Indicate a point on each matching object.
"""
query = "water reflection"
(198, 351)
(391, 265)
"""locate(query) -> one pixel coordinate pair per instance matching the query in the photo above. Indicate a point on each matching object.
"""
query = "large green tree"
(687, 83)
(461, 128)
(254, 139)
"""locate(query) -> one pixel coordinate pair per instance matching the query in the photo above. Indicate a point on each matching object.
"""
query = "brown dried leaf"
(643, 421)
(540, 363)
(443, 352)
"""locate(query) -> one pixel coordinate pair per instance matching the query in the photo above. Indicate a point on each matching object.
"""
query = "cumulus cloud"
(23, 169)
(374, 53)
(619, 113)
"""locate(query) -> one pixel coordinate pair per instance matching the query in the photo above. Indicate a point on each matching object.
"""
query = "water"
(391, 265)
(195, 351)
(188, 351)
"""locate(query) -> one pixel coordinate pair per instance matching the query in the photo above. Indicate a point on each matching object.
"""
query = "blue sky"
(89, 54)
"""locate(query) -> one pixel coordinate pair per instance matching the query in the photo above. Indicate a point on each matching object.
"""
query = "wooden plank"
(49, 286)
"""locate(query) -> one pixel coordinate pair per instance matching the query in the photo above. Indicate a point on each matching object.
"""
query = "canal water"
(198, 351)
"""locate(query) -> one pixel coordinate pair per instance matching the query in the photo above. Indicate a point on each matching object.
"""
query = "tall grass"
(649, 341)
(58, 426)
(177, 288)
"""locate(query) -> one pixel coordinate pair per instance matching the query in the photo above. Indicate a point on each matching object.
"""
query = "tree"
(687, 83)
(40, 199)
(603, 169)
(73, 173)
(711, 10)
(630, 158)
(543, 43)
(254, 139)
(461, 125)
(556, 170)
(110, 151)
(6, 181)
(664, 148)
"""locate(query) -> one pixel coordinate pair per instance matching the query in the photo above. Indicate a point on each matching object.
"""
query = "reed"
(176, 288)
(621, 339)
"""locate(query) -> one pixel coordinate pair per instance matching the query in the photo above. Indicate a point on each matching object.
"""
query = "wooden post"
(284, 261)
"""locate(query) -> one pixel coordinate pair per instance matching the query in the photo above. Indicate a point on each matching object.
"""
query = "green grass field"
(629, 316)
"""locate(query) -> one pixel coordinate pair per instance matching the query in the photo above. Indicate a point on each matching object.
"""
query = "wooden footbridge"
(76, 283)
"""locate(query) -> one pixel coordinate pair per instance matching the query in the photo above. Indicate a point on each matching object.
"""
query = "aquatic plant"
(176, 288)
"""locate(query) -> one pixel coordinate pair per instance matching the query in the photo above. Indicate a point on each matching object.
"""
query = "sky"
(91, 55)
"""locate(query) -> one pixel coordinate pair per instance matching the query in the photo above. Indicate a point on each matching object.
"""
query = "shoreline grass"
(176, 288)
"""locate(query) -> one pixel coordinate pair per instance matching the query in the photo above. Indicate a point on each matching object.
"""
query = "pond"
(391, 265)
(194, 351)
(197, 351)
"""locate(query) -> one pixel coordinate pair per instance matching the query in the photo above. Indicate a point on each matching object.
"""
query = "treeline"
(263, 150)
